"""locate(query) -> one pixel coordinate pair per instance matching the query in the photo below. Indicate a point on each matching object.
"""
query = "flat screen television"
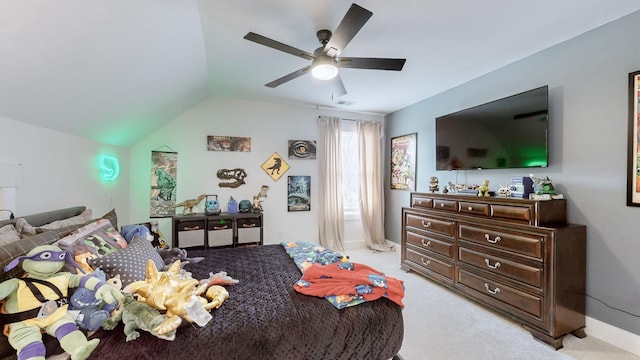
(502, 134)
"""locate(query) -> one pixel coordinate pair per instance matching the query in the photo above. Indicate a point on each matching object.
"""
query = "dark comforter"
(264, 318)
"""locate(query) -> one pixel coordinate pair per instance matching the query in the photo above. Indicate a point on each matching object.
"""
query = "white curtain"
(371, 145)
(331, 211)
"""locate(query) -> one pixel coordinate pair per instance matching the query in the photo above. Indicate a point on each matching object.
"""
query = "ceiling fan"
(326, 59)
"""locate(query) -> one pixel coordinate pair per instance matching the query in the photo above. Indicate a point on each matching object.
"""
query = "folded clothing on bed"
(348, 283)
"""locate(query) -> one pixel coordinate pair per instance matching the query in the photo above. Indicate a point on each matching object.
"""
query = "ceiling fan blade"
(353, 21)
(263, 40)
(284, 79)
(372, 63)
(337, 88)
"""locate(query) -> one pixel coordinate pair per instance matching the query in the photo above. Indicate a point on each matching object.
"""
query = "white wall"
(59, 170)
(588, 84)
(269, 126)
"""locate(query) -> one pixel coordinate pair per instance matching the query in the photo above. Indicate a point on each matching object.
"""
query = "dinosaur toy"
(188, 205)
(179, 297)
(38, 302)
(137, 315)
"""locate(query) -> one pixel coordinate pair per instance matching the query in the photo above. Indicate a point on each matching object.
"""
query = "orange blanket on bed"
(349, 280)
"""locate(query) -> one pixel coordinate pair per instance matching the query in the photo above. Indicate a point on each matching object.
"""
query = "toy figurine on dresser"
(433, 184)
(483, 190)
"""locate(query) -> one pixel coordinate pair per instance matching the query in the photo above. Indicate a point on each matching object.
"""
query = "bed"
(265, 318)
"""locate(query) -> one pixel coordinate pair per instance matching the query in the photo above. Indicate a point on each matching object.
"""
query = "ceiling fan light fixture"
(324, 68)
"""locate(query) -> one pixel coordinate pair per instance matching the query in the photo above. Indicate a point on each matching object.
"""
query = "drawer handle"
(494, 266)
(427, 225)
(248, 225)
(470, 208)
(425, 263)
(441, 205)
(427, 243)
(497, 290)
(187, 228)
(495, 240)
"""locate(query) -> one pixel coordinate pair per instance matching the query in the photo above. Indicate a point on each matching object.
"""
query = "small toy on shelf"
(212, 205)
(188, 205)
(504, 191)
(433, 184)
(542, 186)
(483, 190)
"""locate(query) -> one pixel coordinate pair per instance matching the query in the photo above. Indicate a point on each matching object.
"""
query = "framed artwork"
(228, 143)
(299, 193)
(164, 175)
(633, 153)
(275, 166)
(302, 149)
(403, 162)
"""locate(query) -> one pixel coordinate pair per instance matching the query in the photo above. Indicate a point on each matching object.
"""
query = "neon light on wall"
(109, 167)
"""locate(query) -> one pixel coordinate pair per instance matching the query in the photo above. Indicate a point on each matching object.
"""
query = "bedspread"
(265, 318)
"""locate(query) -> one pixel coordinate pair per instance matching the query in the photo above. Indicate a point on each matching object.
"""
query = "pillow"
(112, 217)
(83, 218)
(93, 240)
(8, 234)
(130, 263)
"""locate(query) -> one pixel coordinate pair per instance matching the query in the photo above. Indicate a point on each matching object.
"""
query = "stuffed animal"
(169, 256)
(38, 303)
(219, 278)
(91, 312)
(137, 315)
(177, 296)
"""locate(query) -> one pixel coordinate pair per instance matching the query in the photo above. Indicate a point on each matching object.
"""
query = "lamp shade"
(324, 68)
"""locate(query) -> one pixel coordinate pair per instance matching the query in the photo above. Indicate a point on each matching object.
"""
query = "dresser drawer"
(443, 227)
(521, 243)
(448, 205)
(528, 303)
(523, 214)
(421, 202)
(438, 246)
(190, 234)
(498, 265)
(475, 208)
(430, 263)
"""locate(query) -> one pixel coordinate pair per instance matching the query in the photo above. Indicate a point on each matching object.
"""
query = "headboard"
(48, 216)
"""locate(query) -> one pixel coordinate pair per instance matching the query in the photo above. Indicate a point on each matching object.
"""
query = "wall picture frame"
(298, 193)
(633, 141)
(403, 162)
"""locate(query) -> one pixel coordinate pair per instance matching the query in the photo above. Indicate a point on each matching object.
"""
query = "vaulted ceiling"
(114, 70)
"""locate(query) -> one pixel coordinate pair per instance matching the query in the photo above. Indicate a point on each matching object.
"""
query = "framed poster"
(633, 143)
(228, 143)
(299, 193)
(302, 149)
(164, 175)
(403, 162)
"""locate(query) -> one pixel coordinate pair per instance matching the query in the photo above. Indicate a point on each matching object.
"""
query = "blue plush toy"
(92, 312)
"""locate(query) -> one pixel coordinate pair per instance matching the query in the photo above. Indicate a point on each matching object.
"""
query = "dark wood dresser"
(518, 257)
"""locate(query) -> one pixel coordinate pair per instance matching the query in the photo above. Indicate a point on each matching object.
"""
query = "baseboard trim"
(623, 339)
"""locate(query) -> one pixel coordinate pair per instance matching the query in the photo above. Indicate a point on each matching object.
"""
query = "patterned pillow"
(129, 263)
(8, 234)
(93, 240)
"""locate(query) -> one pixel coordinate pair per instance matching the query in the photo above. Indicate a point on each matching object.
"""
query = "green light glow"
(109, 167)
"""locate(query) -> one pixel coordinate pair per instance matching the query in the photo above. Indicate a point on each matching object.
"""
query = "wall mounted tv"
(502, 134)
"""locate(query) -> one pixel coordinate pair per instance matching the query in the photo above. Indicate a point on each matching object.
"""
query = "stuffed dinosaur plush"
(137, 315)
(38, 303)
(91, 312)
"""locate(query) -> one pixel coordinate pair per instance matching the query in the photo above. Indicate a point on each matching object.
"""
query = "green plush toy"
(38, 303)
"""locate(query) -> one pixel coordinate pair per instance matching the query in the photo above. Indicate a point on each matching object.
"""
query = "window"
(350, 170)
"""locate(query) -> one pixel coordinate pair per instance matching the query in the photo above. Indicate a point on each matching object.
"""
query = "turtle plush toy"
(38, 303)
